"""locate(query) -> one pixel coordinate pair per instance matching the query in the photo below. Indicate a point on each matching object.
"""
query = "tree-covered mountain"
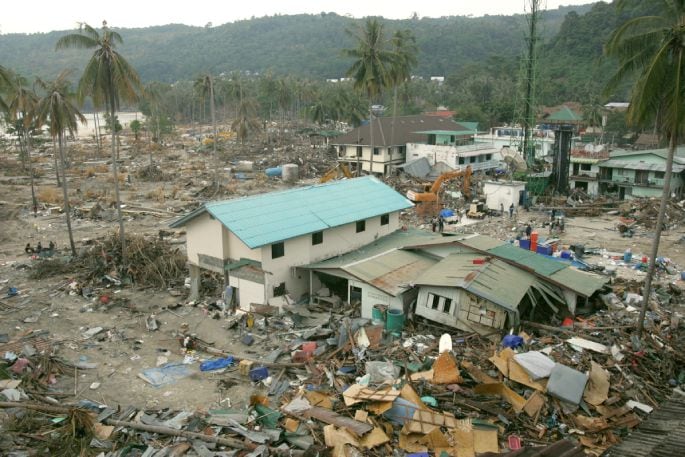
(300, 45)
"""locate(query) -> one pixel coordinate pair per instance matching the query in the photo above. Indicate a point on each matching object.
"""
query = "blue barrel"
(273, 172)
(524, 244)
(627, 256)
(565, 254)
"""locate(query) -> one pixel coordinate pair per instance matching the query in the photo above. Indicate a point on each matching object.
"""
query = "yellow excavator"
(430, 191)
(337, 172)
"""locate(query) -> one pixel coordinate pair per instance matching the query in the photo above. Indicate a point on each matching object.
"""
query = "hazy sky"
(48, 15)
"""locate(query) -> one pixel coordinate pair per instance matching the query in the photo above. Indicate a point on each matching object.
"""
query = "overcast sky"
(47, 15)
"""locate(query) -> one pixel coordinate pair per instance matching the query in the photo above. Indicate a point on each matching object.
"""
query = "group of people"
(39, 248)
(438, 223)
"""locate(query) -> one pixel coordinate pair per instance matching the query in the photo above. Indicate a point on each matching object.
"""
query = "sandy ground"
(131, 349)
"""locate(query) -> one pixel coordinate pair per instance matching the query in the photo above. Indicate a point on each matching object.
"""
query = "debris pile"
(645, 211)
(332, 381)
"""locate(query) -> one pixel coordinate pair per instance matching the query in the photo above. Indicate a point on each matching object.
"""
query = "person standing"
(529, 230)
(441, 224)
(511, 211)
(434, 223)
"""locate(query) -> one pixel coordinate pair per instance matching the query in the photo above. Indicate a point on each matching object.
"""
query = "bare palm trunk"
(34, 202)
(97, 133)
(371, 136)
(115, 174)
(65, 193)
(54, 155)
(213, 114)
(666, 195)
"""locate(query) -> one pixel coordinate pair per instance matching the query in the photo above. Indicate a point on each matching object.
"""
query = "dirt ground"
(125, 347)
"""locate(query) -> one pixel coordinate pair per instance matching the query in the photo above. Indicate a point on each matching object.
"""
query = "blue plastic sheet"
(166, 374)
(216, 364)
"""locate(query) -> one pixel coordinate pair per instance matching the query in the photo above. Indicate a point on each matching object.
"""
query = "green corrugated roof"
(446, 132)
(268, 218)
(469, 125)
(538, 263)
(482, 242)
(565, 114)
(579, 281)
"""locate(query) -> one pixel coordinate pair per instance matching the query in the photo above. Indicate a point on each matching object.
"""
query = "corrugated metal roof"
(391, 272)
(482, 242)
(540, 264)
(446, 132)
(383, 244)
(268, 218)
(497, 281)
(579, 281)
(634, 165)
(661, 435)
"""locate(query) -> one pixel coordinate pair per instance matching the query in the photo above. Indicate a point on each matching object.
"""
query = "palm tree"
(372, 68)
(653, 48)
(5, 83)
(246, 120)
(21, 106)
(108, 79)
(61, 115)
(404, 46)
(205, 85)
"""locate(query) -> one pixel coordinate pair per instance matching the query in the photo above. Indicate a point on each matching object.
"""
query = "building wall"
(451, 154)
(502, 193)
(372, 296)
(300, 251)
(248, 292)
(592, 186)
(204, 236)
(467, 311)
(238, 250)
(349, 153)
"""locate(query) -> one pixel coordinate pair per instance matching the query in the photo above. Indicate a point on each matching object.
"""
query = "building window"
(447, 305)
(488, 156)
(439, 303)
(361, 226)
(462, 161)
(277, 250)
(472, 159)
(403, 150)
(586, 166)
(359, 151)
(659, 175)
(317, 238)
(385, 219)
(376, 151)
(619, 171)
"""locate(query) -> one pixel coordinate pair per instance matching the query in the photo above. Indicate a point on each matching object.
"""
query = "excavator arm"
(432, 194)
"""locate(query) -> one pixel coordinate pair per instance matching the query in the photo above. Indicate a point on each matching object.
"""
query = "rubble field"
(93, 364)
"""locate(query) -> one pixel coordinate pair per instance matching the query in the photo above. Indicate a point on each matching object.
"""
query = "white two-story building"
(260, 242)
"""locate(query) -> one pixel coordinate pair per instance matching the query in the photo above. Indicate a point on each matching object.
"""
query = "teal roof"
(536, 262)
(268, 218)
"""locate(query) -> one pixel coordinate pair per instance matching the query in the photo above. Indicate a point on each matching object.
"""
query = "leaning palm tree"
(5, 84)
(653, 48)
(372, 67)
(108, 79)
(56, 110)
(205, 85)
(20, 106)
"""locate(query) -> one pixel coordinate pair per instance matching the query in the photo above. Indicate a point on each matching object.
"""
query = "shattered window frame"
(317, 238)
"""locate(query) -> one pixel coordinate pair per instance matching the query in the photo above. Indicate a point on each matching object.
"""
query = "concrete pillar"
(194, 282)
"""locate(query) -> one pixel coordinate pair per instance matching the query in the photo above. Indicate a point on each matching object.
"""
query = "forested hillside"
(301, 45)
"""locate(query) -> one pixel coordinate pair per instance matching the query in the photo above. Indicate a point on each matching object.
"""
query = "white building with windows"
(260, 243)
